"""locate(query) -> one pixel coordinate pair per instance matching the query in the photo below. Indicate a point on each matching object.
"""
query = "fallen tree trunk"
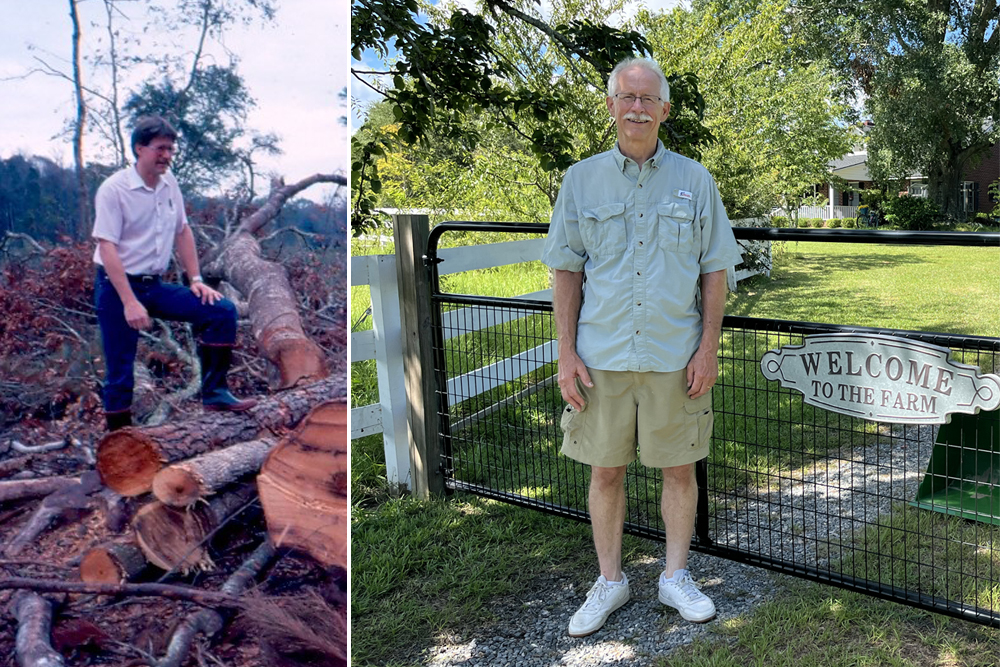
(19, 489)
(303, 486)
(181, 484)
(129, 458)
(273, 305)
(173, 538)
(112, 563)
(33, 644)
(209, 621)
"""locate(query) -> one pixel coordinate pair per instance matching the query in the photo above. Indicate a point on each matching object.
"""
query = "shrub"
(779, 221)
(911, 213)
(815, 223)
(850, 223)
(833, 223)
(985, 220)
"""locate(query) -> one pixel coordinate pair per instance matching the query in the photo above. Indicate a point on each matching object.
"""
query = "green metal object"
(963, 476)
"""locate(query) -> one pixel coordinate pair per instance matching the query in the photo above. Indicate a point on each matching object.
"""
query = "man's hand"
(136, 316)
(204, 292)
(571, 367)
(702, 372)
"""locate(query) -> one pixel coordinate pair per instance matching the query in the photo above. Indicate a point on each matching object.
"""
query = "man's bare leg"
(678, 504)
(607, 518)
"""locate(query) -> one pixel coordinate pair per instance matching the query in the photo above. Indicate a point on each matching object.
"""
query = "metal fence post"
(410, 234)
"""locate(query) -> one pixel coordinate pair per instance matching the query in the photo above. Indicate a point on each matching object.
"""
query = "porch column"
(830, 203)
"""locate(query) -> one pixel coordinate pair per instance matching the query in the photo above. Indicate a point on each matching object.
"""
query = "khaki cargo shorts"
(629, 413)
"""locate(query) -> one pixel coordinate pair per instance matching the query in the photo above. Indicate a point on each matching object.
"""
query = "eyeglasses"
(628, 100)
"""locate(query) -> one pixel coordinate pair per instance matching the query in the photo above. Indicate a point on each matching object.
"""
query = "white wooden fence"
(384, 342)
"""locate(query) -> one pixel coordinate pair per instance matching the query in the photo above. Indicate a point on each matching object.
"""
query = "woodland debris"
(181, 484)
(33, 645)
(303, 486)
(71, 498)
(209, 621)
(169, 591)
(129, 458)
(19, 489)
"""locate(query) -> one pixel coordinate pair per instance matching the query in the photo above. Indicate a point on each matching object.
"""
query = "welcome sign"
(879, 377)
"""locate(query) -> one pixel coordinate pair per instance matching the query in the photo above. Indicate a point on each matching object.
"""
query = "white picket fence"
(383, 342)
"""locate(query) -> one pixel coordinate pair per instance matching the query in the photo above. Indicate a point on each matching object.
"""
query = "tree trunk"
(274, 316)
(174, 538)
(303, 486)
(112, 563)
(181, 484)
(33, 645)
(79, 127)
(129, 458)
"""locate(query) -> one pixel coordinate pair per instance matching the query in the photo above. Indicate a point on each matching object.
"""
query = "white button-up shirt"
(642, 238)
(140, 220)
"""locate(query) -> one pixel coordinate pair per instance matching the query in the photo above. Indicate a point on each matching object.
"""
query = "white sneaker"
(601, 601)
(680, 593)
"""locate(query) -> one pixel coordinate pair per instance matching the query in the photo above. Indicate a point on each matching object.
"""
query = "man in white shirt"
(639, 336)
(139, 222)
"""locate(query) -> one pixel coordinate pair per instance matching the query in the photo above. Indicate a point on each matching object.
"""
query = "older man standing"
(640, 243)
(139, 221)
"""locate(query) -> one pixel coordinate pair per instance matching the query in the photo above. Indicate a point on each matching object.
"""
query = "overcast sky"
(294, 68)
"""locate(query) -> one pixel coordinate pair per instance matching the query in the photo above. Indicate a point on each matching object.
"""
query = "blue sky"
(294, 68)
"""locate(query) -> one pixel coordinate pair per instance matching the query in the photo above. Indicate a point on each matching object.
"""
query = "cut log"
(303, 486)
(112, 563)
(19, 489)
(210, 621)
(181, 484)
(33, 645)
(129, 458)
(173, 538)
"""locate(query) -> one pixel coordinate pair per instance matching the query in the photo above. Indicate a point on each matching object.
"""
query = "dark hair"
(148, 128)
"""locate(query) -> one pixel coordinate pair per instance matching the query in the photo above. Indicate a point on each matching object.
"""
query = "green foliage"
(779, 221)
(930, 77)
(850, 223)
(911, 213)
(504, 78)
(769, 108)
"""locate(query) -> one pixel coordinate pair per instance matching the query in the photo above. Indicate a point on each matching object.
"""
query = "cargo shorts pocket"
(699, 410)
(676, 222)
(603, 229)
(572, 423)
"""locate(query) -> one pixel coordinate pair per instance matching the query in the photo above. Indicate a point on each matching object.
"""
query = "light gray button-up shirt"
(142, 221)
(643, 238)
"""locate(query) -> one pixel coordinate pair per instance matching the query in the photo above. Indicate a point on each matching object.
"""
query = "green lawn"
(422, 569)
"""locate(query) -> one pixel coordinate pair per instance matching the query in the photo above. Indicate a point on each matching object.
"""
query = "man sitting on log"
(139, 220)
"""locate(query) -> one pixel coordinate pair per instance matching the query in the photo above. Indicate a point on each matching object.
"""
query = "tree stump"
(112, 563)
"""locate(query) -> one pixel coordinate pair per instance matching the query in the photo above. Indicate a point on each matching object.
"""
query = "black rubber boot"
(215, 362)
(117, 420)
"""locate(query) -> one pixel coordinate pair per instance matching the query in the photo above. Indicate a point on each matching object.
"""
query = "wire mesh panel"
(902, 511)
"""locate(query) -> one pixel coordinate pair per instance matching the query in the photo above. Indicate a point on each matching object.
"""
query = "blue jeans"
(214, 324)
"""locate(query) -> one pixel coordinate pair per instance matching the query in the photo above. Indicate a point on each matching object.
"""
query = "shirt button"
(636, 333)
(638, 273)
(640, 215)
(640, 185)
(640, 242)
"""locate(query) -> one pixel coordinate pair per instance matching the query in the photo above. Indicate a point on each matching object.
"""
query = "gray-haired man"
(639, 337)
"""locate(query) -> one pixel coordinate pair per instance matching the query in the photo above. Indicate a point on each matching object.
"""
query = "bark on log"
(19, 489)
(112, 563)
(129, 458)
(173, 538)
(181, 484)
(33, 645)
(209, 621)
(274, 315)
(303, 486)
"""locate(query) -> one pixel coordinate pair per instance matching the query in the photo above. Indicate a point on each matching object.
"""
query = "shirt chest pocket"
(677, 228)
(603, 229)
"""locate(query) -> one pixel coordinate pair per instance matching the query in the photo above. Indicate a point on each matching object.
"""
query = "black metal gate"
(788, 487)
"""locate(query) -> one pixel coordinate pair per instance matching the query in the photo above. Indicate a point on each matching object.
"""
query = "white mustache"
(631, 115)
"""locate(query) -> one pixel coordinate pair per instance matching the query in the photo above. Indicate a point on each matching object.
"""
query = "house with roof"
(853, 169)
